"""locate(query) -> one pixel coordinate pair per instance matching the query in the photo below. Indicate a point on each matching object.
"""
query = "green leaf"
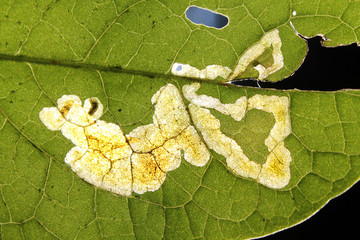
(122, 52)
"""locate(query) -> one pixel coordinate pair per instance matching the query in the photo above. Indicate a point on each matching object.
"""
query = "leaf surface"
(122, 53)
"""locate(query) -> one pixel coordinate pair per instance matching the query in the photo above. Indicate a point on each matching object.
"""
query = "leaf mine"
(271, 41)
(106, 158)
(210, 72)
(275, 172)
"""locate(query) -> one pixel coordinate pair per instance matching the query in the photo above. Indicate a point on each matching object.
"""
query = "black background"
(339, 219)
(326, 69)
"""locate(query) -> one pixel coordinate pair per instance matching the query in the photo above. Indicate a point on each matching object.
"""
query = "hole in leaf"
(206, 17)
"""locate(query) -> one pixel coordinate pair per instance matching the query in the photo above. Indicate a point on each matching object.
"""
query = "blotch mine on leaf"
(169, 134)
(147, 175)
(52, 118)
(101, 155)
(108, 139)
(275, 172)
(106, 158)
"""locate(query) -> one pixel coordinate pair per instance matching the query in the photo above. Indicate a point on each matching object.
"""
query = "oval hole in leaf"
(206, 17)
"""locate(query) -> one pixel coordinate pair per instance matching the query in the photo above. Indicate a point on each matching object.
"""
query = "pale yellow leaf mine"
(138, 162)
(106, 158)
(275, 172)
(211, 72)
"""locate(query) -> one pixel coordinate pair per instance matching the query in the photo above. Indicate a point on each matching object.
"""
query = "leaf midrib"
(97, 67)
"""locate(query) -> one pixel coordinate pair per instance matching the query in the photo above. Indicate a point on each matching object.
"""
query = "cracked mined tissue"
(106, 158)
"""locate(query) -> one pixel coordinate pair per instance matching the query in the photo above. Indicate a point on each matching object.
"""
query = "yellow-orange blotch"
(139, 161)
(106, 158)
